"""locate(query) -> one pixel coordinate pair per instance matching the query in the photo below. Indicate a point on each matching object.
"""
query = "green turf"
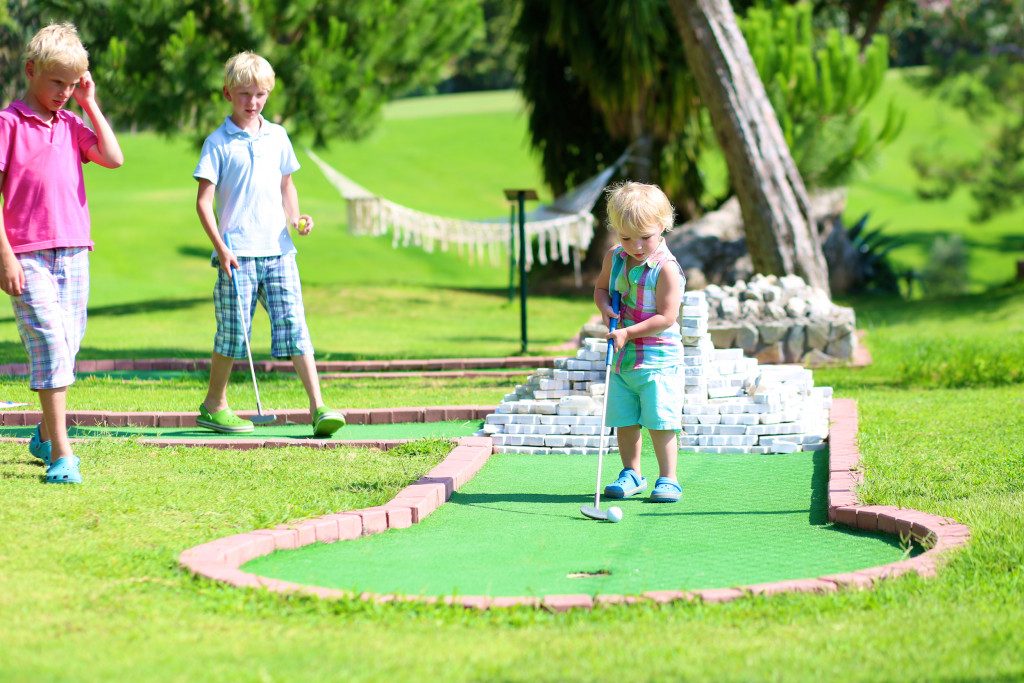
(516, 529)
(405, 430)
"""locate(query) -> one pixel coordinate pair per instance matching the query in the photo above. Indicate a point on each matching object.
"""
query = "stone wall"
(780, 320)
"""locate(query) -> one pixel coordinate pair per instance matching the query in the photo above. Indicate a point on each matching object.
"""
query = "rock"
(773, 311)
(817, 335)
(794, 347)
(772, 333)
(816, 358)
(841, 348)
(724, 337)
(746, 338)
(796, 307)
(772, 353)
(730, 308)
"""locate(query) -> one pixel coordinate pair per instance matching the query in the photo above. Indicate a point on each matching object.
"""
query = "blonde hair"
(57, 45)
(247, 68)
(635, 209)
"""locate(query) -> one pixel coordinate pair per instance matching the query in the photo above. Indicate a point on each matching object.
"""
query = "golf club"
(259, 418)
(596, 512)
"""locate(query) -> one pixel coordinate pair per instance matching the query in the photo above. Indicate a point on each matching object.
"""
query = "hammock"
(562, 229)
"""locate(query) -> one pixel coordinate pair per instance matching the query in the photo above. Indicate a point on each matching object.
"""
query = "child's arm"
(106, 152)
(204, 207)
(602, 288)
(12, 276)
(290, 197)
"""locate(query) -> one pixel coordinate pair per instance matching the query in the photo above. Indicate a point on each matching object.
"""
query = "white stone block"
(709, 419)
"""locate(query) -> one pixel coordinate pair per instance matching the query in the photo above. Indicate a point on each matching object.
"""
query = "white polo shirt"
(247, 171)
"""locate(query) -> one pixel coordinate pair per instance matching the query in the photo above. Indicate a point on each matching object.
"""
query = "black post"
(512, 254)
(521, 196)
(522, 266)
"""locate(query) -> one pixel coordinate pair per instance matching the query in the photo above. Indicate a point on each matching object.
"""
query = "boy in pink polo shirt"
(45, 242)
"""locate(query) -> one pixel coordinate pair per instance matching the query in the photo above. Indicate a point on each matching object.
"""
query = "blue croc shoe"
(64, 471)
(666, 491)
(39, 448)
(628, 484)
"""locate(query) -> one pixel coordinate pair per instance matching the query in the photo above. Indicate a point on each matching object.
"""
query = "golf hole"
(588, 575)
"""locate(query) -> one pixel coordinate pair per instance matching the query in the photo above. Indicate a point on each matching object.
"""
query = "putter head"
(262, 419)
(594, 513)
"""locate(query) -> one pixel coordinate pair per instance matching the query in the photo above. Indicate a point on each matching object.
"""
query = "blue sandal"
(628, 484)
(666, 491)
(39, 448)
(64, 471)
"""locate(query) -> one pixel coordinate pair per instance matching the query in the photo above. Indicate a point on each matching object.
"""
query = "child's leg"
(54, 426)
(630, 447)
(220, 373)
(667, 450)
(305, 368)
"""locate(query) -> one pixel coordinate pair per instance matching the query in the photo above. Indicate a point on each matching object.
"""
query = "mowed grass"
(90, 589)
(96, 563)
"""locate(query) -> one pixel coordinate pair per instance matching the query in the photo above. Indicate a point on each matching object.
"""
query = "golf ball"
(302, 224)
(614, 514)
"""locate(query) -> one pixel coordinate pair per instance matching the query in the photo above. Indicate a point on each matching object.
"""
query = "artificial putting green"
(516, 530)
(405, 430)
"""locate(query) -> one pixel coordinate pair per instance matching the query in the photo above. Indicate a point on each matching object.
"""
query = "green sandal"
(327, 421)
(224, 421)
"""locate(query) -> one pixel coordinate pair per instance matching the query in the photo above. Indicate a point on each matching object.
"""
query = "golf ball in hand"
(614, 514)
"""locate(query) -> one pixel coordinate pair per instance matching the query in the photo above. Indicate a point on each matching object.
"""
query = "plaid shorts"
(51, 313)
(274, 282)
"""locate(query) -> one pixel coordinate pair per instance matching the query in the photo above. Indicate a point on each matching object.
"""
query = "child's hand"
(228, 261)
(12, 276)
(86, 90)
(619, 338)
(303, 224)
(607, 314)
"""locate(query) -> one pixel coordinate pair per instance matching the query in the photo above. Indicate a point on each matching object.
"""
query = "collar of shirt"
(26, 111)
(232, 129)
(659, 255)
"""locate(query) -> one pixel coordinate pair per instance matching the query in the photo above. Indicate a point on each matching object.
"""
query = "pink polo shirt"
(43, 188)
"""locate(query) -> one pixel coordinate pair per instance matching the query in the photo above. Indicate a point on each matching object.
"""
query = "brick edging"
(367, 366)
(220, 559)
(154, 419)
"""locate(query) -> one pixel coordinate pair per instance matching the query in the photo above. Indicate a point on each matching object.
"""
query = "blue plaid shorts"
(273, 281)
(51, 313)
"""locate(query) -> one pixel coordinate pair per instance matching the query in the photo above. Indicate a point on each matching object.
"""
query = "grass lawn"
(94, 566)
(89, 584)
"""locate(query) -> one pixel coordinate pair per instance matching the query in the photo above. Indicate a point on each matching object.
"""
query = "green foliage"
(977, 63)
(599, 76)
(489, 63)
(160, 62)
(874, 273)
(819, 92)
(946, 270)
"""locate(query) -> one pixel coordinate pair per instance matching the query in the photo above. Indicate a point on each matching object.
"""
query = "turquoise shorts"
(650, 398)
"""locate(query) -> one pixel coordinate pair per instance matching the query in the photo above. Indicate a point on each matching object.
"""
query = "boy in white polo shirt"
(246, 167)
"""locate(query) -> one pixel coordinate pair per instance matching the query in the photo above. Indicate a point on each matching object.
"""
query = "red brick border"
(384, 368)
(220, 559)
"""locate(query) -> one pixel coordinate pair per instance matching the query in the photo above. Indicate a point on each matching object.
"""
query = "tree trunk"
(776, 211)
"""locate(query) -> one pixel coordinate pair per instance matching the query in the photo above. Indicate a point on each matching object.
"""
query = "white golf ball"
(614, 514)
